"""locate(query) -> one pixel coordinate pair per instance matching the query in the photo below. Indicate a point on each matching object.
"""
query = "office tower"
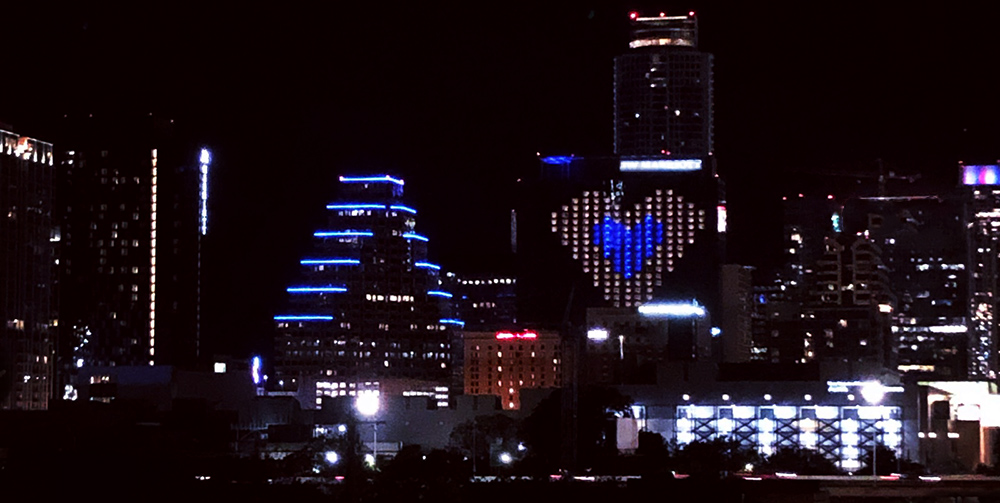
(485, 301)
(663, 91)
(27, 257)
(649, 222)
(983, 222)
(369, 315)
(808, 219)
(504, 362)
(848, 311)
(133, 209)
(735, 328)
(922, 238)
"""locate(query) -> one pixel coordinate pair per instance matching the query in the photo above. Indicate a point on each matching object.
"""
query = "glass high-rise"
(27, 257)
(369, 314)
(663, 91)
(133, 194)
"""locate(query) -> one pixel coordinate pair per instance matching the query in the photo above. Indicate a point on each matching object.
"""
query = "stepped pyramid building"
(369, 315)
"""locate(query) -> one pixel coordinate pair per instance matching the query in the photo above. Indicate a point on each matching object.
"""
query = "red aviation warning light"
(633, 15)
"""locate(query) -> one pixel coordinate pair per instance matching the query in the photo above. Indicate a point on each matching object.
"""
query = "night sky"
(458, 97)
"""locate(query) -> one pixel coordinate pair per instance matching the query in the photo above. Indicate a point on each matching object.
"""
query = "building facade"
(502, 363)
(630, 345)
(485, 301)
(369, 314)
(923, 247)
(28, 238)
(133, 208)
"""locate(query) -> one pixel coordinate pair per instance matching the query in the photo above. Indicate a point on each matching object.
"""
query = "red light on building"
(516, 335)
(633, 15)
(663, 14)
(691, 14)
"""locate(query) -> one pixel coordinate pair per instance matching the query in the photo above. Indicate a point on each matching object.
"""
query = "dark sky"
(458, 97)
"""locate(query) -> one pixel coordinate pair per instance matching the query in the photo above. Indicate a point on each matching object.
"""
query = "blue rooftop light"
(303, 317)
(400, 207)
(371, 179)
(558, 159)
(427, 265)
(329, 261)
(418, 237)
(334, 234)
(451, 321)
(439, 293)
(355, 206)
(316, 289)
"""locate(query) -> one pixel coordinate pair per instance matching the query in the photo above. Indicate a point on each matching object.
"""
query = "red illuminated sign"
(516, 335)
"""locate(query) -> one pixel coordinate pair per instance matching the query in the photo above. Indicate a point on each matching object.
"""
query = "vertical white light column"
(203, 161)
(152, 262)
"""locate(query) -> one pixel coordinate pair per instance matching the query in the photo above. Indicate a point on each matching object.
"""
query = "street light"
(367, 404)
(873, 392)
(506, 458)
(332, 457)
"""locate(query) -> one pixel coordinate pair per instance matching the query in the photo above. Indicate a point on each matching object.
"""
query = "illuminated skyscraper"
(663, 91)
(134, 212)
(370, 314)
(27, 256)
(983, 221)
(649, 222)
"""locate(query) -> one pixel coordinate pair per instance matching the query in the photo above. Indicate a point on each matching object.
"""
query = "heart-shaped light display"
(628, 247)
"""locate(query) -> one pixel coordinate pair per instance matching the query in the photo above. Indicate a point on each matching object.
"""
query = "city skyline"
(446, 95)
(628, 233)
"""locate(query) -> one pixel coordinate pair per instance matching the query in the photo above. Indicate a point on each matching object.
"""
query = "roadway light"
(873, 392)
(331, 457)
(506, 458)
(367, 404)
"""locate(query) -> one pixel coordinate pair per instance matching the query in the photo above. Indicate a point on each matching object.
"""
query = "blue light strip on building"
(400, 207)
(449, 321)
(355, 206)
(558, 159)
(301, 317)
(334, 234)
(316, 289)
(371, 179)
(427, 265)
(329, 261)
(418, 237)
(439, 293)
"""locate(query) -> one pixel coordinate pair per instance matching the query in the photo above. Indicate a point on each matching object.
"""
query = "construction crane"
(880, 174)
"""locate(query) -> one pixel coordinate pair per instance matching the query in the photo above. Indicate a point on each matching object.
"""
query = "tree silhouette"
(714, 459)
(476, 438)
(799, 460)
(595, 418)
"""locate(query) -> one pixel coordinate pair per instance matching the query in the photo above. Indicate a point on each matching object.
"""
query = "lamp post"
(368, 406)
(873, 392)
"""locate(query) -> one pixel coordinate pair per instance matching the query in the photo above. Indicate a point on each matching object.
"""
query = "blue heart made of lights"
(628, 247)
